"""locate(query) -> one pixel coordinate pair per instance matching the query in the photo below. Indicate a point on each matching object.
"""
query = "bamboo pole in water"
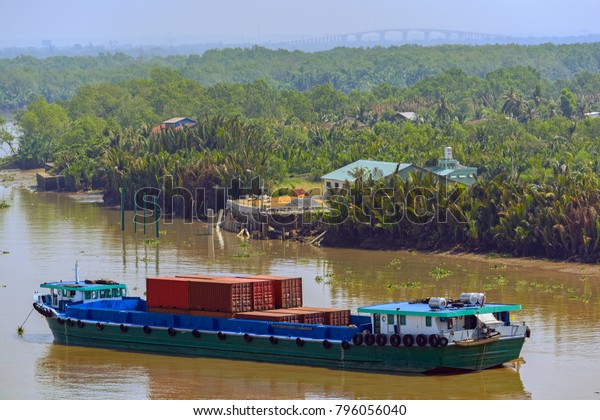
(122, 191)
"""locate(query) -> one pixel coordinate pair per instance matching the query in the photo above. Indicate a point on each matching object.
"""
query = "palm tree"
(514, 104)
(443, 109)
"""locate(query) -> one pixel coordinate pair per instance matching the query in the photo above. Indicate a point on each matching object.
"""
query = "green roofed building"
(452, 170)
(447, 169)
(375, 169)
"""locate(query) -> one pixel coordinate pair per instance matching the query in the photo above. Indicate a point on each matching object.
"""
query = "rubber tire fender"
(381, 339)
(357, 339)
(443, 342)
(395, 340)
(408, 340)
(434, 340)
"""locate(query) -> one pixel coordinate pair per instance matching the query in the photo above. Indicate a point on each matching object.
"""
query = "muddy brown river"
(42, 235)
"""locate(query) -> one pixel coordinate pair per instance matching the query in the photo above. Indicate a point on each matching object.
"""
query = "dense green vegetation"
(525, 127)
(24, 79)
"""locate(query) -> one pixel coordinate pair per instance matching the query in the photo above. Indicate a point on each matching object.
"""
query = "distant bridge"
(407, 35)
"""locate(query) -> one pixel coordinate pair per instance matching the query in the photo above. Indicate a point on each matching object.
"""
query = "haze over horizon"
(27, 23)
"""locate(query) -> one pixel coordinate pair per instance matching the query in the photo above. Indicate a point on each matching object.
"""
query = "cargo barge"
(261, 318)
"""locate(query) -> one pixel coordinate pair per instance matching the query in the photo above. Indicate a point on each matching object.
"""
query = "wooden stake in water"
(210, 216)
(144, 215)
(155, 199)
(122, 191)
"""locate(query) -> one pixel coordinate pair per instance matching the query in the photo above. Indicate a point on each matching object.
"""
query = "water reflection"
(44, 234)
(79, 373)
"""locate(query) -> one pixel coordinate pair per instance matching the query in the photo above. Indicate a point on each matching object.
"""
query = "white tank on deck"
(437, 303)
(469, 298)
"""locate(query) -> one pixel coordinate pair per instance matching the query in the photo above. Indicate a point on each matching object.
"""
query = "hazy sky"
(66, 22)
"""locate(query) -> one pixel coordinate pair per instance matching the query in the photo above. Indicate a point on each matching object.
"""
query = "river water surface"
(42, 235)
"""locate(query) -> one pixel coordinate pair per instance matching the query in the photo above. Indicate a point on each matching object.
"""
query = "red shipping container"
(269, 316)
(333, 316)
(287, 291)
(309, 316)
(167, 292)
(213, 314)
(168, 310)
(261, 295)
(222, 294)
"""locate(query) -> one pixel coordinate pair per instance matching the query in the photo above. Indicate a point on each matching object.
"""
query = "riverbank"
(26, 179)
(583, 269)
(19, 178)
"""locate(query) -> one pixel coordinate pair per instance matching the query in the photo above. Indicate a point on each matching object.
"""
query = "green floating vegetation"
(20, 331)
(440, 273)
(494, 255)
(319, 279)
(497, 266)
(500, 279)
(5, 252)
(407, 285)
(395, 262)
(241, 255)
(151, 241)
(4, 204)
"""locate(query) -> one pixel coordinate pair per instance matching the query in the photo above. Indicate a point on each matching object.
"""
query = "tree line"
(532, 138)
(25, 78)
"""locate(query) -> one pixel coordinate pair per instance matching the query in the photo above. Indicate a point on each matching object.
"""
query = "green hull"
(286, 350)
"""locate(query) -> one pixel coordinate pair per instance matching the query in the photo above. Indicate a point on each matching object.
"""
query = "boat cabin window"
(428, 321)
(402, 319)
(470, 322)
(390, 319)
(376, 323)
(87, 295)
